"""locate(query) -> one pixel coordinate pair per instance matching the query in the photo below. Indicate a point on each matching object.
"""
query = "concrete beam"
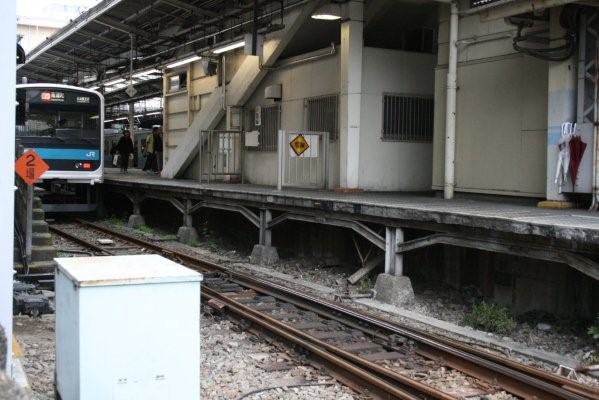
(576, 261)
(250, 216)
(355, 226)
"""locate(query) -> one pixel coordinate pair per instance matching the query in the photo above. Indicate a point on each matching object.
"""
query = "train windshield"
(58, 116)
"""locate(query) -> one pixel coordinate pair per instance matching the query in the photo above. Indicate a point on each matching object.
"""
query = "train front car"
(64, 125)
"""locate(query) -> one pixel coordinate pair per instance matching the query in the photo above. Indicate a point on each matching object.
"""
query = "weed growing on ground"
(490, 318)
(169, 236)
(114, 220)
(366, 284)
(594, 332)
(212, 247)
(145, 229)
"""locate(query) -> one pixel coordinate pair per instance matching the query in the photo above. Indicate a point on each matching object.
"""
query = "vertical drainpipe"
(450, 113)
(595, 196)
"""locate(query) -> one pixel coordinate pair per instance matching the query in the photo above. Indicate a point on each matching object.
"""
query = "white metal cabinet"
(127, 327)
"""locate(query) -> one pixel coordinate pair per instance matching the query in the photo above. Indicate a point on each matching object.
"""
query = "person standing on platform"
(157, 132)
(150, 164)
(125, 149)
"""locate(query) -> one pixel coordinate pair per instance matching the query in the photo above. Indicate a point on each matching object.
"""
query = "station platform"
(427, 212)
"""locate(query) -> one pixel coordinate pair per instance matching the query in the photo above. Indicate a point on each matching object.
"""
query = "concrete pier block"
(394, 290)
(188, 234)
(135, 221)
(264, 255)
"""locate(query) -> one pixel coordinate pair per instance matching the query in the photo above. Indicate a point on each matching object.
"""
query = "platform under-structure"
(34, 246)
(521, 244)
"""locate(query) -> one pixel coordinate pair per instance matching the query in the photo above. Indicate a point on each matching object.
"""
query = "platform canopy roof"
(120, 39)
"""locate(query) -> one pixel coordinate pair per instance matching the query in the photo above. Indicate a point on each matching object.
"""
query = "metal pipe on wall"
(224, 81)
(595, 172)
(450, 112)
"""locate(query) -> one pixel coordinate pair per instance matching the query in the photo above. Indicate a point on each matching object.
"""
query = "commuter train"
(111, 138)
(64, 125)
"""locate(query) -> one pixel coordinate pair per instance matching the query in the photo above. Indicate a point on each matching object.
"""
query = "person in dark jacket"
(124, 148)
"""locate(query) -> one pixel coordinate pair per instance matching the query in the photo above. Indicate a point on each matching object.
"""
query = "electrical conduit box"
(127, 327)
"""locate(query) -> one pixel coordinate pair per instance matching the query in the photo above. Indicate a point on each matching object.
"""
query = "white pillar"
(7, 172)
(351, 94)
(561, 105)
(450, 113)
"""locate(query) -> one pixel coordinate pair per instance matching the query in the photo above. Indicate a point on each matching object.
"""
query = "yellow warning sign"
(299, 144)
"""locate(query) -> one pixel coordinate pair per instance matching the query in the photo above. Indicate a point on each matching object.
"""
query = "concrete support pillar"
(351, 94)
(264, 253)
(187, 233)
(393, 260)
(265, 233)
(561, 106)
(391, 287)
(136, 219)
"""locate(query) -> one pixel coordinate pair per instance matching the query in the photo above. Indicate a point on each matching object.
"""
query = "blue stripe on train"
(67, 154)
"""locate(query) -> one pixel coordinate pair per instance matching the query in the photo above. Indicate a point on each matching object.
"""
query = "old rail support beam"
(393, 260)
(264, 253)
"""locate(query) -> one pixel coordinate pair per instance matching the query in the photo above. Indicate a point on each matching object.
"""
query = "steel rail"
(79, 240)
(523, 383)
(373, 383)
(513, 377)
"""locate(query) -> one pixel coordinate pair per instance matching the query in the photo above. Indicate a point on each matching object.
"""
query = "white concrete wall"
(501, 112)
(309, 79)
(383, 165)
(390, 165)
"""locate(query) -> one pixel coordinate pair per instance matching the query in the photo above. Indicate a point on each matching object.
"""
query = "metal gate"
(220, 156)
(303, 159)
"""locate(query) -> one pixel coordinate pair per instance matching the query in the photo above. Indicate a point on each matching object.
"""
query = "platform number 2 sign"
(30, 166)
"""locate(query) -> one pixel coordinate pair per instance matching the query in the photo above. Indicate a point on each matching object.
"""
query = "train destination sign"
(30, 166)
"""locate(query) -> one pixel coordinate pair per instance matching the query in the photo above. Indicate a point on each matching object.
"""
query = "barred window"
(323, 115)
(408, 118)
(268, 123)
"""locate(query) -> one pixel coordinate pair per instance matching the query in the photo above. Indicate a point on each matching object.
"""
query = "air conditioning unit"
(273, 92)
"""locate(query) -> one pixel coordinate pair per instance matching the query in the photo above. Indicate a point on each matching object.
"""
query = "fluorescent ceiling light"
(328, 12)
(229, 47)
(152, 71)
(183, 62)
(154, 113)
(114, 82)
(108, 120)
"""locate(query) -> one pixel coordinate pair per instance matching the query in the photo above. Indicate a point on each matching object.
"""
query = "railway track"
(363, 351)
